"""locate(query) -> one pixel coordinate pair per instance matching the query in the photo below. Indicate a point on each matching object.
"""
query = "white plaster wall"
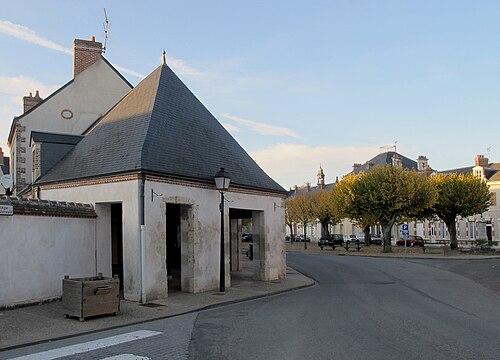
(126, 193)
(205, 250)
(36, 253)
(92, 93)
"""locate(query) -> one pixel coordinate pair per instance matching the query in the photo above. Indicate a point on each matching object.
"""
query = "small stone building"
(148, 169)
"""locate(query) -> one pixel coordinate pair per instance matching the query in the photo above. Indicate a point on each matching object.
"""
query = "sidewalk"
(40, 323)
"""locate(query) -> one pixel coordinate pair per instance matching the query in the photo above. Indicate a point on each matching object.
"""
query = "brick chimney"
(31, 101)
(85, 53)
(356, 166)
(481, 161)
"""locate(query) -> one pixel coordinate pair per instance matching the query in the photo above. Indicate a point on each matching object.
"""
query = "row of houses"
(484, 226)
(143, 159)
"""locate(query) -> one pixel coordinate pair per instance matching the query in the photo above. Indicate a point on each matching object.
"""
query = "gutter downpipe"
(141, 236)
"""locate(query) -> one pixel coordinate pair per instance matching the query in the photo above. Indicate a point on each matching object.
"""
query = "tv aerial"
(106, 27)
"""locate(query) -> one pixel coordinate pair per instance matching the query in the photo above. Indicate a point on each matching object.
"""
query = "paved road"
(362, 308)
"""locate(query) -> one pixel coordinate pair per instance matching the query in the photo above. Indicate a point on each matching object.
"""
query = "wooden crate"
(90, 296)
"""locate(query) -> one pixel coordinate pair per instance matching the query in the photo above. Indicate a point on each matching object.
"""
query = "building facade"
(95, 88)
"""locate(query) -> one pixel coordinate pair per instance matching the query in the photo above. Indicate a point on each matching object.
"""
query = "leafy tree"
(341, 204)
(323, 211)
(388, 193)
(303, 210)
(291, 215)
(459, 195)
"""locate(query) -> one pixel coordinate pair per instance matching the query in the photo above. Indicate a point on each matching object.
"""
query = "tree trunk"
(452, 229)
(305, 236)
(324, 229)
(368, 240)
(386, 232)
(291, 232)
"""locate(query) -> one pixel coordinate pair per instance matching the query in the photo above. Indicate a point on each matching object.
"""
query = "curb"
(203, 308)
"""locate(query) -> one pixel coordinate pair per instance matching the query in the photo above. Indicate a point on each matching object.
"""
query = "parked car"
(411, 240)
(376, 240)
(356, 239)
(332, 240)
(300, 238)
(325, 241)
(246, 237)
(338, 239)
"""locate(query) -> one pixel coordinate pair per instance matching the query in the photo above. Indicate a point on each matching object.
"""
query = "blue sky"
(298, 84)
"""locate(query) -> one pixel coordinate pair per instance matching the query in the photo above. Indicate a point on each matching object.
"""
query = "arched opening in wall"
(246, 238)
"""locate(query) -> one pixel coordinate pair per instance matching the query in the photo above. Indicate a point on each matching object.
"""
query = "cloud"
(294, 164)
(231, 128)
(26, 34)
(261, 128)
(18, 86)
(180, 67)
(129, 72)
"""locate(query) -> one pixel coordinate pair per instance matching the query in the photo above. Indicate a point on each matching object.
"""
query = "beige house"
(480, 226)
(95, 88)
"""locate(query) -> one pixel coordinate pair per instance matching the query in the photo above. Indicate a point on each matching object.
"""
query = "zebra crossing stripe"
(90, 346)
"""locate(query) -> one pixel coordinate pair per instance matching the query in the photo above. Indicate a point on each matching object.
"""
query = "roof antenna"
(106, 27)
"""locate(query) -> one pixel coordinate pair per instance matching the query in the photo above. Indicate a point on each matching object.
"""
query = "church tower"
(321, 177)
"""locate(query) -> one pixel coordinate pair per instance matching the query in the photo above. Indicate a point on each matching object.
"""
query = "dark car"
(338, 239)
(325, 241)
(376, 241)
(411, 240)
(247, 237)
(332, 240)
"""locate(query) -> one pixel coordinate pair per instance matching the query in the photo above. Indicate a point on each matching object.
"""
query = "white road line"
(89, 346)
(127, 357)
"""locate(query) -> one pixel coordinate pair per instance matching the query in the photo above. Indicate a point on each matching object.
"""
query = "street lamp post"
(222, 181)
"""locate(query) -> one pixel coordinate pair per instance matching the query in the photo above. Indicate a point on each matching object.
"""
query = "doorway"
(173, 246)
(117, 242)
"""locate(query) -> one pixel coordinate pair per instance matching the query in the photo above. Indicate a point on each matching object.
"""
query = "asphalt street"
(362, 308)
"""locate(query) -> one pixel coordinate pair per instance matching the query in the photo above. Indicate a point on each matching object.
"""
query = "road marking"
(127, 357)
(89, 346)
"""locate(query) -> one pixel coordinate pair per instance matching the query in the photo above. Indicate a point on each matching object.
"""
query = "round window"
(67, 114)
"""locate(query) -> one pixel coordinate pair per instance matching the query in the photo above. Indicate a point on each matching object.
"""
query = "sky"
(298, 84)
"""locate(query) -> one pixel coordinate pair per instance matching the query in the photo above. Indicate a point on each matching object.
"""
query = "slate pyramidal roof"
(161, 128)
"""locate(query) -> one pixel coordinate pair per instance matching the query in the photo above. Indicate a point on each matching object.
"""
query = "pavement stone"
(46, 322)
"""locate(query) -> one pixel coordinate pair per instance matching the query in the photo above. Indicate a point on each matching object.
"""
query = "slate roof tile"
(162, 128)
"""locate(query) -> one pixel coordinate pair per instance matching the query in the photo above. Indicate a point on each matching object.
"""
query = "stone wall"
(40, 243)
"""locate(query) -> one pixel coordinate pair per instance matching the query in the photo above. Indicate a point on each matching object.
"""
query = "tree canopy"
(384, 195)
(323, 210)
(459, 195)
(300, 209)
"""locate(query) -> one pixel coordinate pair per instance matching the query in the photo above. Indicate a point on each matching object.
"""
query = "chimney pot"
(92, 38)
(31, 101)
